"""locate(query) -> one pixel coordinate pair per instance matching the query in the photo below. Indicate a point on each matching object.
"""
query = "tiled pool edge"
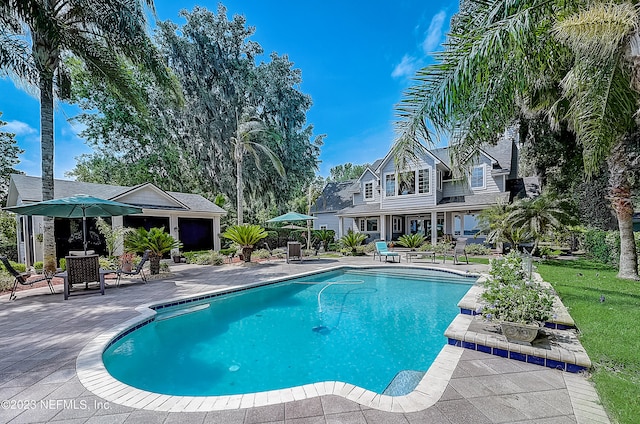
(95, 377)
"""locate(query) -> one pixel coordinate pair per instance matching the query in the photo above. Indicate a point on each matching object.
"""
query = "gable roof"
(335, 196)
(29, 189)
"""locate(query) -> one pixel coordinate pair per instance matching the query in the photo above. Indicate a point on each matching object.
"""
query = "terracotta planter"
(127, 266)
(519, 333)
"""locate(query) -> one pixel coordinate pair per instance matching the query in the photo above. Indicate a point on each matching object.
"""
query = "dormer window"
(368, 191)
(477, 179)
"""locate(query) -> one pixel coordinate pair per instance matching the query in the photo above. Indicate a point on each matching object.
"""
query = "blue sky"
(356, 60)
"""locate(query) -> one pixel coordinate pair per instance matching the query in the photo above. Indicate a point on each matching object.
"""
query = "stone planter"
(519, 333)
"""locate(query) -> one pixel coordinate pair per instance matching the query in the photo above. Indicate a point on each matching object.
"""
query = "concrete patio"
(42, 336)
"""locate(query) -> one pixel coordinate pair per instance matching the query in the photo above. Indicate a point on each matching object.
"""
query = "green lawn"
(609, 330)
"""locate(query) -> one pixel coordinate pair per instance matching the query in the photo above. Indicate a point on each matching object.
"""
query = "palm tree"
(36, 38)
(156, 240)
(505, 58)
(245, 141)
(540, 216)
(246, 236)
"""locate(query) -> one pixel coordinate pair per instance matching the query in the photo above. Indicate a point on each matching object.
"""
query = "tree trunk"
(620, 188)
(239, 185)
(46, 145)
(246, 253)
(154, 263)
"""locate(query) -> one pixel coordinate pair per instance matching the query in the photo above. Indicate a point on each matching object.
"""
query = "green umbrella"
(291, 216)
(79, 206)
(295, 216)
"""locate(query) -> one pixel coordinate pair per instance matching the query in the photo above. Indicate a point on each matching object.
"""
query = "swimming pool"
(356, 326)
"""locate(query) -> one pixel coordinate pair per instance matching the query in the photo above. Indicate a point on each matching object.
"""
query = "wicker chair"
(82, 269)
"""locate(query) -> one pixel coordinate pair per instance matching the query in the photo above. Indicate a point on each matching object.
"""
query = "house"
(190, 218)
(386, 203)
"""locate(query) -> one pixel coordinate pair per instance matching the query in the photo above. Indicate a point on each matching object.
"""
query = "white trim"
(395, 184)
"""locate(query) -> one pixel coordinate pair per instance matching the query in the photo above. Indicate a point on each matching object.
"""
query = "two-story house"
(386, 203)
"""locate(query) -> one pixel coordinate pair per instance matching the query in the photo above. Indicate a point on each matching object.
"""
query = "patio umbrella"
(79, 206)
(293, 227)
(295, 216)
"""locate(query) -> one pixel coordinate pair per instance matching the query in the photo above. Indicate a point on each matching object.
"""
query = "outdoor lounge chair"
(23, 278)
(458, 250)
(138, 270)
(383, 250)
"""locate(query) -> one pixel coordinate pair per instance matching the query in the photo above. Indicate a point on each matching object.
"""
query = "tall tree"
(9, 152)
(346, 172)
(193, 148)
(576, 62)
(37, 35)
(250, 132)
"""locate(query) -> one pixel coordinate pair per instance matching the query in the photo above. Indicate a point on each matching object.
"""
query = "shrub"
(262, 254)
(228, 251)
(595, 245)
(38, 265)
(351, 240)
(164, 267)
(63, 264)
(412, 241)
(217, 259)
(477, 249)
(247, 236)
(6, 281)
(16, 265)
(156, 240)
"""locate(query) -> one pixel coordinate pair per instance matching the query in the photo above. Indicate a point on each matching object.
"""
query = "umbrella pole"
(84, 233)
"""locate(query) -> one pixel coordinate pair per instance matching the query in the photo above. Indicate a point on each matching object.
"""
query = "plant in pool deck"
(412, 241)
(246, 236)
(352, 240)
(156, 240)
(510, 298)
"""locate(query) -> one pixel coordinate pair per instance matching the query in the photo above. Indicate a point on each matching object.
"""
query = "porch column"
(340, 227)
(434, 228)
(461, 225)
(174, 231)
(117, 222)
(216, 233)
(383, 228)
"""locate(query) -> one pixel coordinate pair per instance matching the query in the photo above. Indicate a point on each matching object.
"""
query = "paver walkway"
(42, 336)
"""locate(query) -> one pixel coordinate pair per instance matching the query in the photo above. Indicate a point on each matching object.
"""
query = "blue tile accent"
(465, 311)
(555, 364)
(518, 356)
(574, 368)
(454, 342)
(468, 345)
(501, 352)
(483, 348)
(565, 327)
(532, 359)
(551, 325)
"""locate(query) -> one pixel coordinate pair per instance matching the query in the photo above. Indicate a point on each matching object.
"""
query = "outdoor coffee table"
(417, 254)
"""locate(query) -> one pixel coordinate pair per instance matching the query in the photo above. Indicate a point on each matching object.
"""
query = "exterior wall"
(367, 177)
(412, 200)
(148, 196)
(330, 219)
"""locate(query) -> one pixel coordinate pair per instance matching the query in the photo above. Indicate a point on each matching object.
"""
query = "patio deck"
(42, 336)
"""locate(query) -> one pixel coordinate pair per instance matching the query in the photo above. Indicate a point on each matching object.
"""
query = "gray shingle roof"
(335, 196)
(30, 190)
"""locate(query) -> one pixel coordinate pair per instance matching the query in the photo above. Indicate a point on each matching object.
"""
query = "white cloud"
(434, 33)
(18, 128)
(407, 67)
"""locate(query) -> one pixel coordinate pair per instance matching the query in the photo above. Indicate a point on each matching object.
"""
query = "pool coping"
(93, 374)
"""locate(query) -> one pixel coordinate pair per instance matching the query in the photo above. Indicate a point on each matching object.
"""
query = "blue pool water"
(356, 326)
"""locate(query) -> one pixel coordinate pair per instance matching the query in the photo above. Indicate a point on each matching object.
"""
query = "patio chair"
(22, 278)
(120, 272)
(458, 250)
(294, 251)
(82, 269)
(383, 250)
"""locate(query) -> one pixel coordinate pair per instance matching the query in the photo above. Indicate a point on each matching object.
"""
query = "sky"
(356, 58)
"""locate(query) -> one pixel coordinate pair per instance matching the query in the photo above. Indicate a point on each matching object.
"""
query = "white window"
(390, 185)
(368, 224)
(407, 183)
(397, 224)
(368, 191)
(424, 181)
(439, 176)
(477, 177)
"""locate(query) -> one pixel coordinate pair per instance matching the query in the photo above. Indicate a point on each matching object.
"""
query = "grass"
(609, 330)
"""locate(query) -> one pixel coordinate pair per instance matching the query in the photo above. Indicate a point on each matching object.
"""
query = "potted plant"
(126, 261)
(156, 240)
(412, 241)
(246, 236)
(518, 305)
